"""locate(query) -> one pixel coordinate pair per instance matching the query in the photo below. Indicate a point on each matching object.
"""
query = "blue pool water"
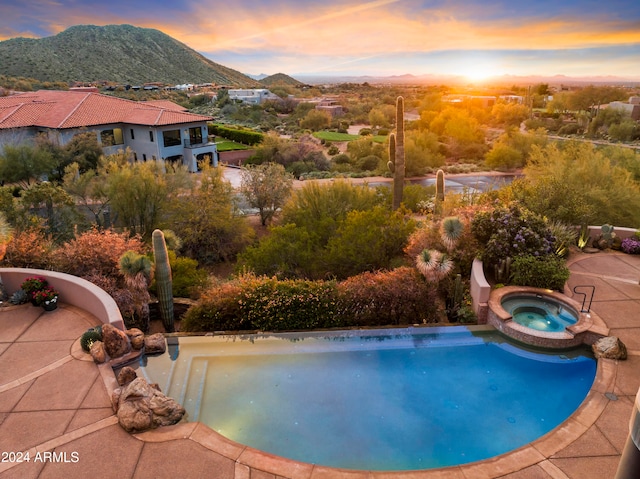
(540, 313)
(376, 400)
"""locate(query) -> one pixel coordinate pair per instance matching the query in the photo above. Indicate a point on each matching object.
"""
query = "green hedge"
(400, 296)
(549, 272)
(246, 137)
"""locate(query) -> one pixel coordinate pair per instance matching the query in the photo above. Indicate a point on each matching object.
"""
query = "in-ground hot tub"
(539, 317)
(540, 312)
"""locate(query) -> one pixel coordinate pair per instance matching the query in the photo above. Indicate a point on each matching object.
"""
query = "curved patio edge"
(73, 290)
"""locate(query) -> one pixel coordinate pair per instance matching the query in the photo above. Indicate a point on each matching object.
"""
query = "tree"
(368, 241)
(503, 157)
(24, 164)
(577, 183)
(54, 205)
(509, 114)
(266, 187)
(140, 193)
(316, 120)
(206, 218)
(422, 151)
(88, 189)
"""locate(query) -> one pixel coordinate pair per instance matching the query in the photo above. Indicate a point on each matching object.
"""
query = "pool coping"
(538, 452)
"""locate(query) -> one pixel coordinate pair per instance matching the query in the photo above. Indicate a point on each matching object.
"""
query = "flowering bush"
(399, 296)
(511, 232)
(45, 295)
(631, 245)
(33, 284)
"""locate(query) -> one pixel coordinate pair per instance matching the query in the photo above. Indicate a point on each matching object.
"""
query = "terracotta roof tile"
(75, 109)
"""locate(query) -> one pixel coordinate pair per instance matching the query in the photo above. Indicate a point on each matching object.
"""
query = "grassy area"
(333, 136)
(380, 138)
(228, 145)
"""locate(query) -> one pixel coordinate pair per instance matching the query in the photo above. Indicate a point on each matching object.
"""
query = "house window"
(111, 137)
(151, 136)
(133, 136)
(144, 157)
(171, 138)
(195, 135)
(135, 157)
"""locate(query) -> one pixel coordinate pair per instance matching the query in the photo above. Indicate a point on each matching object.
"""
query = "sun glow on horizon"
(478, 70)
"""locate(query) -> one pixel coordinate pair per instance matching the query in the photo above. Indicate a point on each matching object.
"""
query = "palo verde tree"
(266, 187)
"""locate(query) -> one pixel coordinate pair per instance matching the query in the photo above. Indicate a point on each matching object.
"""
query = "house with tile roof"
(158, 131)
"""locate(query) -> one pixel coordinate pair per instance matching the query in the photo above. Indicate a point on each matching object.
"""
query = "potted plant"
(32, 285)
(47, 298)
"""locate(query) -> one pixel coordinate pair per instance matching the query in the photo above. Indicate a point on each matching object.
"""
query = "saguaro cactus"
(163, 280)
(392, 153)
(398, 157)
(439, 191)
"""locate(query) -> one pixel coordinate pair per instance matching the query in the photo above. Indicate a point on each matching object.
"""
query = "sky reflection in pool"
(379, 400)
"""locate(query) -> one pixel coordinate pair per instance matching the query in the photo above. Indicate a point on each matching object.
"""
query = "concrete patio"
(53, 398)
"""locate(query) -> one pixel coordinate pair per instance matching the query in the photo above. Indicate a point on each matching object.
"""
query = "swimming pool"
(398, 399)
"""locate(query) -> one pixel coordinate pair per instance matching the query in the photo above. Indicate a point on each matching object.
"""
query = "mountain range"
(116, 53)
(132, 55)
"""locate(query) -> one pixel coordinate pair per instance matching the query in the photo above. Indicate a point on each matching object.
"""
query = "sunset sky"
(474, 38)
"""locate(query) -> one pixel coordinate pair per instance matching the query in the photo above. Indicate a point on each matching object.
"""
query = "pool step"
(193, 387)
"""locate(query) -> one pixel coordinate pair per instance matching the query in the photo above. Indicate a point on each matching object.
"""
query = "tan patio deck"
(54, 398)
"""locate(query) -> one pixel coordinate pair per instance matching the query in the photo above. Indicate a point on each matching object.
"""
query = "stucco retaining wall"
(73, 290)
(480, 292)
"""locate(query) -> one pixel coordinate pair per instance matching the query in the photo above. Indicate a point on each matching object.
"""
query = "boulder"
(141, 407)
(126, 375)
(155, 343)
(609, 348)
(98, 352)
(116, 342)
(136, 337)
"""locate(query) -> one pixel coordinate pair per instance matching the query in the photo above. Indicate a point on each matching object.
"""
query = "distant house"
(254, 96)
(157, 131)
(632, 107)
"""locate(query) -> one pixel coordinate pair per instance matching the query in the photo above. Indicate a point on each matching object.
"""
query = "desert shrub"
(96, 252)
(186, 276)
(287, 252)
(576, 183)
(298, 168)
(341, 159)
(415, 195)
(367, 241)
(399, 296)
(427, 236)
(30, 248)
(333, 150)
(89, 337)
(565, 236)
(218, 309)
(368, 163)
(123, 297)
(272, 305)
(569, 129)
(548, 272)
